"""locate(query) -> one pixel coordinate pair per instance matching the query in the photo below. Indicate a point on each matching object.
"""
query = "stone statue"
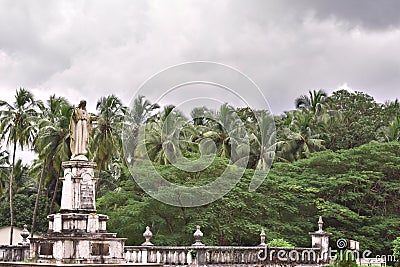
(80, 127)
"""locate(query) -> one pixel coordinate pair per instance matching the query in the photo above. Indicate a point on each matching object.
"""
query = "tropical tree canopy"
(333, 155)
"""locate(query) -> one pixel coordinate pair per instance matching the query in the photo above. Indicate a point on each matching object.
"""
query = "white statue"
(80, 127)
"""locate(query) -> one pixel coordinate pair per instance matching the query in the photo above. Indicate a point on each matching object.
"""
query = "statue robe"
(79, 132)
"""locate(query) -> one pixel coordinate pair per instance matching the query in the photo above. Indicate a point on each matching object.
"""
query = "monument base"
(84, 250)
(78, 234)
(78, 238)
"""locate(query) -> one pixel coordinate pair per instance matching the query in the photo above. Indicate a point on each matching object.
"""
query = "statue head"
(82, 104)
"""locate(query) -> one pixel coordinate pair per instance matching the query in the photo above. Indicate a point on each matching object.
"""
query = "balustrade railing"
(14, 253)
(159, 254)
(199, 254)
(228, 256)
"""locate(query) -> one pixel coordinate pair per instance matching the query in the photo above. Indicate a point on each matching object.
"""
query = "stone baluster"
(139, 256)
(189, 258)
(169, 257)
(181, 257)
(128, 255)
(133, 257)
(163, 256)
(159, 255)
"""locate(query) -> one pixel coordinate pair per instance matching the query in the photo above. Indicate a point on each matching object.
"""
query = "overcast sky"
(87, 49)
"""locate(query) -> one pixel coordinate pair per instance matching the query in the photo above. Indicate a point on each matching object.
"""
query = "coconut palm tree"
(52, 145)
(140, 111)
(391, 133)
(201, 116)
(19, 129)
(23, 182)
(162, 142)
(298, 139)
(227, 131)
(313, 103)
(264, 137)
(106, 142)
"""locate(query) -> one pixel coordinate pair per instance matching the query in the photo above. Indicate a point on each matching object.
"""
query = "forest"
(334, 155)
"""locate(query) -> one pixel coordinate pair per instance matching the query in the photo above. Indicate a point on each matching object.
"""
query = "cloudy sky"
(87, 49)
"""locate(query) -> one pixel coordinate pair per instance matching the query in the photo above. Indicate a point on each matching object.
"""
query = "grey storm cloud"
(88, 49)
(369, 14)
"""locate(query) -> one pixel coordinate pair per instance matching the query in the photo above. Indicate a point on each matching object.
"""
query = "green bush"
(345, 259)
(280, 242)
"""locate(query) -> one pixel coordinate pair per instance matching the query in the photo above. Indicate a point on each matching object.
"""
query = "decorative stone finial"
(25, 234)
(320, 224)
(262, 237)
(147, 235)
(198, 235)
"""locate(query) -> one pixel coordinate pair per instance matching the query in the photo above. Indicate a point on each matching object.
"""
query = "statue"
(80, 127)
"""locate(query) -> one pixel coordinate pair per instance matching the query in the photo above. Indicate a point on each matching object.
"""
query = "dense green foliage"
(336, 155)
(356, 191)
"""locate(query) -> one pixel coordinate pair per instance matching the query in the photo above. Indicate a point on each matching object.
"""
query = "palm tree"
(391, 133)
(142, 109)
(313, 103)
(162, 142)
(137, 115)
(18, 127)
(23, 182)
(51, 144)
(298, 139)
(201, 116)
(107, 134)
(228, 132)
(264, 137)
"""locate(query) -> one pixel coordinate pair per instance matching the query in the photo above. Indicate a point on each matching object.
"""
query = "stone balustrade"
(14, 252)
(198, 254)
(223, 256)
(19, 252)
(159, 254)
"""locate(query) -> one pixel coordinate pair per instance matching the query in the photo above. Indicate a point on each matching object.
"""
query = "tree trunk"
(53, 199)
(11, 195)
(37, 198)
(100, 171)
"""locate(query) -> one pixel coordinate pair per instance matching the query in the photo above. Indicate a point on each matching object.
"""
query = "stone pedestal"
(78, 234)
